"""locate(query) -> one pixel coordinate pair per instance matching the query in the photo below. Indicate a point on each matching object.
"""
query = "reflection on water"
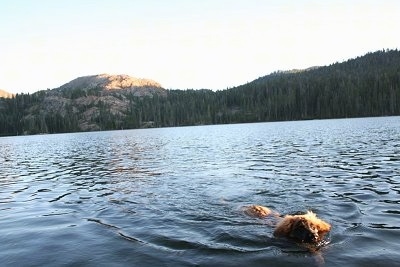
(172, 196)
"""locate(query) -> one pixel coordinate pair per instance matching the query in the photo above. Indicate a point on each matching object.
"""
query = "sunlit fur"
(305, 228)
(258, 211)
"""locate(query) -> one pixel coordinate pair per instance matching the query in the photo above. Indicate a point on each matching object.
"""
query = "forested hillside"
(364, 86)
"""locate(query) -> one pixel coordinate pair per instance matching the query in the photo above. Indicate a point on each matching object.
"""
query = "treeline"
(364, 86)
(21, 115)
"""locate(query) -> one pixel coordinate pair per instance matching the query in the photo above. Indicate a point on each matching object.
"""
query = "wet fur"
(305, 228)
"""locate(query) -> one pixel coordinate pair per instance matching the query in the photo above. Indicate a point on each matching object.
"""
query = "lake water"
(173, 196)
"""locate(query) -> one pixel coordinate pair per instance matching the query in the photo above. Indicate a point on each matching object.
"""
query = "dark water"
(173, 196)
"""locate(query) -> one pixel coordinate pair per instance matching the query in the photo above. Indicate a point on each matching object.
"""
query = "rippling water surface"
(173, 196)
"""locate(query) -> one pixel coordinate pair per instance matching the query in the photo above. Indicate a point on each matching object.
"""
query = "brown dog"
(305, 228)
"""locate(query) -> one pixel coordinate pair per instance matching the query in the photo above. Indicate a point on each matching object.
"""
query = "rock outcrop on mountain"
(5, 94)
(106, 82)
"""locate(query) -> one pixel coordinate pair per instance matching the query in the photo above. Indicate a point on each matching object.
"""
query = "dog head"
(305, 228)
(303, 231)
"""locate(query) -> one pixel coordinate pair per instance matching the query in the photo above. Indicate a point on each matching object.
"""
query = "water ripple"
(173, 196)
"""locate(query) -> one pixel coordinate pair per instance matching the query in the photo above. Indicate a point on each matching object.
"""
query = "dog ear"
(284, 227)
(295, 223)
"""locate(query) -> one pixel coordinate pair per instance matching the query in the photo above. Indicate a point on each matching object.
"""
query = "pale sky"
(184, 44)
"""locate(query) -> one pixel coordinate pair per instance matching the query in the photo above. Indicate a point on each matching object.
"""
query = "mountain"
(5, 94)
(137, 86)
(364, 86)
(86, 103)
(368, 85)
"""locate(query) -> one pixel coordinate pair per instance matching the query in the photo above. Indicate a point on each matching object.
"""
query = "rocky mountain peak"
(5, 94)
(109, 82)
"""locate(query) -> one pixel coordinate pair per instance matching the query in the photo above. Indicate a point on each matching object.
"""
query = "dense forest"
(364, 86)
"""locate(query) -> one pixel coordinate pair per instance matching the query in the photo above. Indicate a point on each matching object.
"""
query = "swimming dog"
(304, 228)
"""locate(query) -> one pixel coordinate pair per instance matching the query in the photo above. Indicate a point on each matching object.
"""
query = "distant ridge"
(295, 70)
(5, 94)
(365, 86)
(108, 82)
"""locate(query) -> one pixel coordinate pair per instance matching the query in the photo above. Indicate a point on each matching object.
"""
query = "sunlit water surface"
(173, 196)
